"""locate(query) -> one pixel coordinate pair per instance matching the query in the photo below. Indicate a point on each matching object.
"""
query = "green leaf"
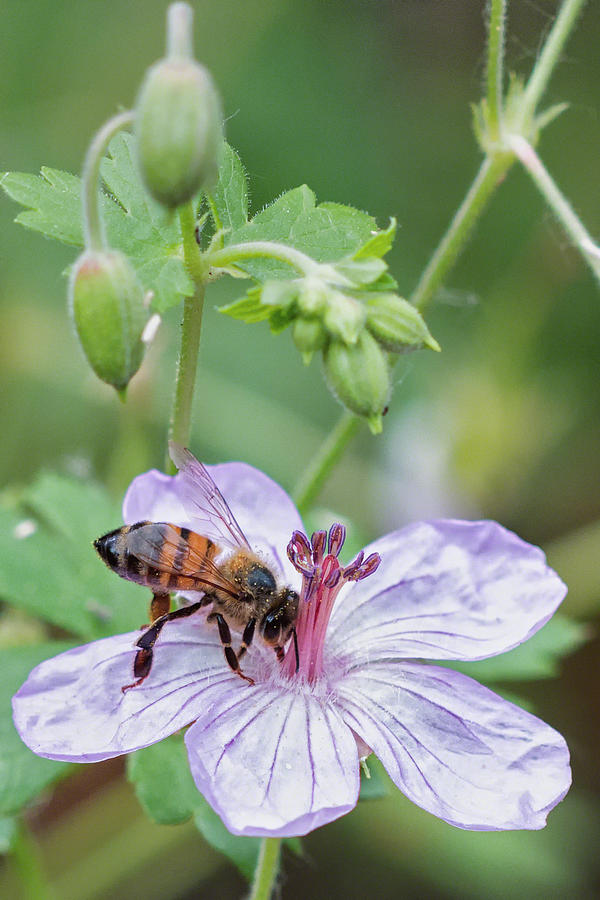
(163, 781)
(327, 232)
(229, 202)
(22, 774)
(48, 565)
(242, 851)
(539, 657)
(379, 244)
(135, 224)
(248, 308)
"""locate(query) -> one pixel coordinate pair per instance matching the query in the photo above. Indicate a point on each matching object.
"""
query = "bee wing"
(204, 502)
(159, 545)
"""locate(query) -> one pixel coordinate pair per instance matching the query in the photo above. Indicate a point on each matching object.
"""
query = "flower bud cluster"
(341, 311)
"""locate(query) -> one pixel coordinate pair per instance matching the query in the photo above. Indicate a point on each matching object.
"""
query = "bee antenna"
(295, 637)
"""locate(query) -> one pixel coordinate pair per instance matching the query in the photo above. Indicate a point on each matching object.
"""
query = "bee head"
(277, 623)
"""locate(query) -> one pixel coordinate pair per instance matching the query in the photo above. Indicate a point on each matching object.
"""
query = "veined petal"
(71, 707)
(278, 761)
(445, 590)
(454, 747)
(263, 510)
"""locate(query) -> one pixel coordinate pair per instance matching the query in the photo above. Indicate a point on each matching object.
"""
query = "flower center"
(322, 579)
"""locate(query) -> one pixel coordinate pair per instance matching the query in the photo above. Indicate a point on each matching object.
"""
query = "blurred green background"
(368, 103)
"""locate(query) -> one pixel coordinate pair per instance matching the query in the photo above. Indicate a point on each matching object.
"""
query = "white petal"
(455, 748)
(71, 707)
(276, 761)
(445, 590)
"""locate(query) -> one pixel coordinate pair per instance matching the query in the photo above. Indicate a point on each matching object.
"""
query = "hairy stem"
(548, 58)
(191, 329)
(266, 870)
(559, 205)
(492, 171)
(92, 223)
(228, 256)
(495, 62)
(330, 451)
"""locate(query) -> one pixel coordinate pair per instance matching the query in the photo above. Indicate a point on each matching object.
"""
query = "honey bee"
(217, 561)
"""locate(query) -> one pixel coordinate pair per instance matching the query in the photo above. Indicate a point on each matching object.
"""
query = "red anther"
(369, 566)
(331, 571)
(350, 570)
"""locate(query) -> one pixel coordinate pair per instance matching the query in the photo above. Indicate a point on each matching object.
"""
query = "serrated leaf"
(48, 565)
(22, 774)
(229, 201)
(163, 781)
(539, 657)
(134, 223)
(53, 200)
(327, 232)
(380, 243)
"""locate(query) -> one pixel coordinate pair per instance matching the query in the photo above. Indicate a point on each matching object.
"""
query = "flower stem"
(492, 171)
(549, 56)
(26, 859)
(495, 61)
(256, 249)
(330, 451)
(92, 223)
(560, 206)
(266, 869)
(191, 329)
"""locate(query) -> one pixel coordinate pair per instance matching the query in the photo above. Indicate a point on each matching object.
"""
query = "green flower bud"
(312, 297)
(344, 317)
(359, 377)
(309, 335)
(398, 325)
(107, 305)
(179, 130)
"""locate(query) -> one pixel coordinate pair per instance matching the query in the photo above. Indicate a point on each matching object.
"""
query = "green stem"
(492, 171)
(330, 451)
(495, 61)
(266, 869)
(92, 222)
(560, 206)
(256, 249)
(547, 60)
(191, 329)
(26, 859)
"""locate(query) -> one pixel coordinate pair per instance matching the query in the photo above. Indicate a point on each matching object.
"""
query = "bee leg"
(230, 656)
(297, 655)
(246, 638)
(143, 658)
(160, 606)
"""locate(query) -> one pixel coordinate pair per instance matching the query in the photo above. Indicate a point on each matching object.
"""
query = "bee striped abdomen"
(161, 556)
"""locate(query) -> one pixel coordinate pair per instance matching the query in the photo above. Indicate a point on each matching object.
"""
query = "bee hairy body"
(157, 555)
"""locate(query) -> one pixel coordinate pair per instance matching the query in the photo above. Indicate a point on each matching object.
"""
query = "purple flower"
(281, 757)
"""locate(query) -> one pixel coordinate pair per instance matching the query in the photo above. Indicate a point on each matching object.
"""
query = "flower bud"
(358, 375)
(397, 324)
(309, 335)
(179, 130)
(107, 305)
(344, 317)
